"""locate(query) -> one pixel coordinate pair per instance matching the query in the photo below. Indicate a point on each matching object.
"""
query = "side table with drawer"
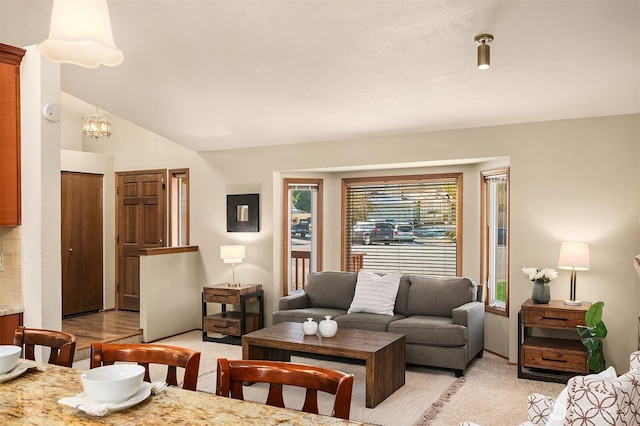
(547, 349)
(229, 322)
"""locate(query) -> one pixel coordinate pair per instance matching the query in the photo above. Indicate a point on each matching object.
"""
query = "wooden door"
(140, 224)
(82, 243)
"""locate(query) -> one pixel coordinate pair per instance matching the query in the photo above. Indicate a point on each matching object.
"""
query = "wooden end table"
(231, 323)
(383, 352)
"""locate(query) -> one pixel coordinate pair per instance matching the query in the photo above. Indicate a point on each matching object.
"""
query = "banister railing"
(300, 266)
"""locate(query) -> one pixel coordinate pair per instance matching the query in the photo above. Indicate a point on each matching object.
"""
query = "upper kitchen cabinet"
(10, 204)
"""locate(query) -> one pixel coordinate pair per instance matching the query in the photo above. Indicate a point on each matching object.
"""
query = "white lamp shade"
(232, 254)
(80, 34)
(574, 255)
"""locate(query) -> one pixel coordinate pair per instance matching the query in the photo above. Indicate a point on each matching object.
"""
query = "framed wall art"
(243, 213)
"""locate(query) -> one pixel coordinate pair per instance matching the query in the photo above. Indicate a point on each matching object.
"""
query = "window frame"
(173, 179)
(286, 226)
(458, 176)
(484, 243)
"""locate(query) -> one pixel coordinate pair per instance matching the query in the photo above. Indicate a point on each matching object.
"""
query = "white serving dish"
(9, 357)
(112, 383)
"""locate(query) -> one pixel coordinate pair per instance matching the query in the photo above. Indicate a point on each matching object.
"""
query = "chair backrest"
(61, 344)
(147, 353)
(232, 373)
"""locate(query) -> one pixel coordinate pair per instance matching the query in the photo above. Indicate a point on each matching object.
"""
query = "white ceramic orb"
(328, 327)
(309, 327)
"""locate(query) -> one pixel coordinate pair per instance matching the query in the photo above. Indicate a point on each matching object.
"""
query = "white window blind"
(429, 203)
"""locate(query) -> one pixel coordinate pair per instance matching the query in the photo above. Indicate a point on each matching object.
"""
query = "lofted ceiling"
(223, 74)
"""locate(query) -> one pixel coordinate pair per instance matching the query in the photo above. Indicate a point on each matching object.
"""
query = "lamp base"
(233, 284)
(573, 302)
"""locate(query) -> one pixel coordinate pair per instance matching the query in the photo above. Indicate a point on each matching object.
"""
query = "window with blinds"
(422, 213)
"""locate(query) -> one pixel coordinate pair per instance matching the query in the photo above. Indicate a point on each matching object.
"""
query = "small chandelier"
(96, 126)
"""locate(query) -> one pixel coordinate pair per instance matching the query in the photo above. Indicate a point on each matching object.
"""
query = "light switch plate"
(1, 261)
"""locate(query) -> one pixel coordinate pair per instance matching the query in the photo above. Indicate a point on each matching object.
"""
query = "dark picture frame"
(243, 213)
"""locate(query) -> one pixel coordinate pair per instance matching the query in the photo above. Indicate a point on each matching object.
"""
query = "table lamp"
(232, 254)
(574, 255)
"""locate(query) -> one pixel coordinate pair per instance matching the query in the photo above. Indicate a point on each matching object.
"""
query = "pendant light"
(96, 126)
(80, 34)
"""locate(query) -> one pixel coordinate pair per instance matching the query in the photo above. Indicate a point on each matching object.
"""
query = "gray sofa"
(442, 317)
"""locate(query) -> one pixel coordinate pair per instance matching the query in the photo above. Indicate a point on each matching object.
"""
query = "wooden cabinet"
(549, 348)
(232, 323)
(10, 204)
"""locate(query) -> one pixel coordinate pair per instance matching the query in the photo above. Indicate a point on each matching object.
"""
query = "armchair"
(597, 399)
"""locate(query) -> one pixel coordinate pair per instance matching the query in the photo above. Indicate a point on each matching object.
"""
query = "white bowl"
(112, 383)
(9, 357)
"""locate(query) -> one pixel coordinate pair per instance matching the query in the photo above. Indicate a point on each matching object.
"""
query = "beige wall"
(570, 179)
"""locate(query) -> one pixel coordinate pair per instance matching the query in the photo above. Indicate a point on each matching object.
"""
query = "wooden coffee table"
(383, 352)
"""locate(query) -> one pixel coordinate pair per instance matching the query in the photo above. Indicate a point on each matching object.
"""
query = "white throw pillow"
(560, 407)
(375, 294)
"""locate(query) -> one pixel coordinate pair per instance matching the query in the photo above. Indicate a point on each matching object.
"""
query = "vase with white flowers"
(541, 277)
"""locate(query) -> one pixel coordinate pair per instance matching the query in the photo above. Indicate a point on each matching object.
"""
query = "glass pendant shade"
(96, 126)
(80, 34)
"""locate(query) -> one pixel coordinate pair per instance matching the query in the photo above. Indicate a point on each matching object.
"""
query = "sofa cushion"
(331, 289)
(364, 321)
(438, 296)
(430, 330)
(375, 294)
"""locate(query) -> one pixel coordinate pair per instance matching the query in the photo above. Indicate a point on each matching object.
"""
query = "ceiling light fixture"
(483, 50)
(80, 34)
(96, 126)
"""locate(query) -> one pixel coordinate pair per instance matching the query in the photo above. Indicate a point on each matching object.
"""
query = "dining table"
(32, 399)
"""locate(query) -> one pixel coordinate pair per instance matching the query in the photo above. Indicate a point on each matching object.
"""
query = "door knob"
(70, 249)
(160, 241)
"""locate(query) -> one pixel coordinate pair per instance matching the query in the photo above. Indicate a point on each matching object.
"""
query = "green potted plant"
(592, 334)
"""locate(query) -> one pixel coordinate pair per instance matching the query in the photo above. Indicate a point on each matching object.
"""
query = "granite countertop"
(8, 310)
(32, 398)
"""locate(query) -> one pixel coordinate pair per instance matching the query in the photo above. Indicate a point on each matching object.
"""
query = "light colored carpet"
(423, 386)
(490, 394)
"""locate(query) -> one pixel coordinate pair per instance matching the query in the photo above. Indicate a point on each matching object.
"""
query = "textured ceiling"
(227, 74)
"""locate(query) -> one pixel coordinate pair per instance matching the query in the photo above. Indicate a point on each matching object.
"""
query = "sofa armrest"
(471, 315)
(294, 301)
(539, 408)
(634, 360)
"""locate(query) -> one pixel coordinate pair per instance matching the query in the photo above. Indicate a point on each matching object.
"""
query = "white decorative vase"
(309, 327)
(328, 327)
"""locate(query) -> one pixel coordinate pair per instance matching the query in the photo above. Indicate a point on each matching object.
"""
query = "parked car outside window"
(301, 228)
(403, 232)
(372, 232)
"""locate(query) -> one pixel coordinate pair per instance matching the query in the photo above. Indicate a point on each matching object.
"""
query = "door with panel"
(140, 223)
(82, 243)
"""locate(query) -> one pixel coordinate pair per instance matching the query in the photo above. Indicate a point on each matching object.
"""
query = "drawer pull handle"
(554, 318)
(554, 360)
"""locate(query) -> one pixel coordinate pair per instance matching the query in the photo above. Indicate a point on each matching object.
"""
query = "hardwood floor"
(106, 326)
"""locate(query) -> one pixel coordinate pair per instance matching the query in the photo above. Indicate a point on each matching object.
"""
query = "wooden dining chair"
(232, 374)
(145, 354)
(62, 345)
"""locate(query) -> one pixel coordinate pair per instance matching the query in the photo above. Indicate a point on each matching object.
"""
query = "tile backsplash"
(11, 276)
